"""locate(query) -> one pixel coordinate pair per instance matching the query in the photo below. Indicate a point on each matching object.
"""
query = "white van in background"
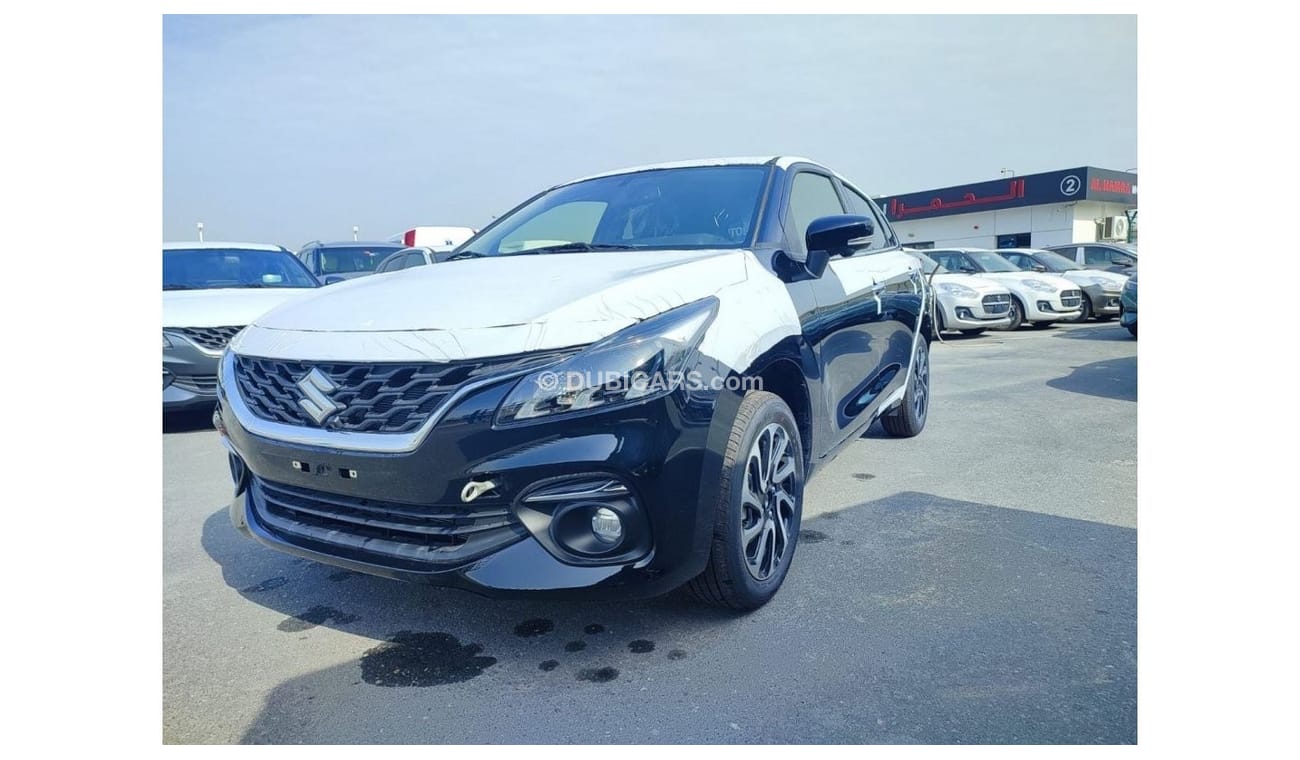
(437, 238)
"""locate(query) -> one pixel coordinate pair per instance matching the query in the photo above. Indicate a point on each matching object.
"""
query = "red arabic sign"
(899, 210)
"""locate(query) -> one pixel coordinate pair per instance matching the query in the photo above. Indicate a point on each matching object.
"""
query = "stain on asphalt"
(812, 536)
(342, 575)
(314, 617)
(848, 542)
(423, 659)
(598, 675)
(265, 585)
(863, 475)
(575, 646)
(640, 646)
(594, 629)
(677, 654)
(534, 627)
(549, 665)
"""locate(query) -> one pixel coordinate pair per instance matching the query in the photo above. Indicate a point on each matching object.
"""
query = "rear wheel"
(909, 418)
(760, 504)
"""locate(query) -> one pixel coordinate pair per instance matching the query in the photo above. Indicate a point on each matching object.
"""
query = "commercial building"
(1080, 205)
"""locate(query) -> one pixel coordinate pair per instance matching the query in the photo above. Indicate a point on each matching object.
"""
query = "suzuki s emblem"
(316, 387)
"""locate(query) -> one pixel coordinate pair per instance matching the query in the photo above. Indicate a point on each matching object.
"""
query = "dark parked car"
(1111, 257)
(336, 262)
(616, 389)
(1128, 315)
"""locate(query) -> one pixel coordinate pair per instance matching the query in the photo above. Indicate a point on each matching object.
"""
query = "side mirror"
(1040, 268)
(790, 269)
(834, 233)
(332, 279)
(968, 269)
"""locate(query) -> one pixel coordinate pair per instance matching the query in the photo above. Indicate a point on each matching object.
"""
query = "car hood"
(1015, 279)
(490, 306)
(978, 284)
(1085, 277)
(224, 307)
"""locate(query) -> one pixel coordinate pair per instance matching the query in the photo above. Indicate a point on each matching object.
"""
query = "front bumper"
(189, 376)
(402, 515)
(972, 313)
(1050, 307)
(1104, 302)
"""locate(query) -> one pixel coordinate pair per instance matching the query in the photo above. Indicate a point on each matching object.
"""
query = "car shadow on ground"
(906, 619)
(1097, 331)
(1109, 378)
(189, 421)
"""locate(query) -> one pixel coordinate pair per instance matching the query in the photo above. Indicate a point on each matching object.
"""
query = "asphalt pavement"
(975, 584)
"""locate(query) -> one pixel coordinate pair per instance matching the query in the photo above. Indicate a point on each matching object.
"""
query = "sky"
(286, 129)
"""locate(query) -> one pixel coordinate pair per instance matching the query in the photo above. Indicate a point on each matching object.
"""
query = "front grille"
(1071, 298)
(376, 398)
(202, 384)
(392, 534)
(211, 338)
(997, 304)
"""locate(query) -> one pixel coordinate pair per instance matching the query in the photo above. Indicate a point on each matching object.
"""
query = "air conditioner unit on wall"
(1112, 228)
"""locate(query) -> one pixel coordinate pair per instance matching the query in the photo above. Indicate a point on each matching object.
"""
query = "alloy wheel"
(921, 381)
(767, 503)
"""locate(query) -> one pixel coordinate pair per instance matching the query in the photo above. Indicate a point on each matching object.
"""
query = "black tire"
(730, 579)
(1133, 329)
(977, 331)
(1017, 314)
(908, 418)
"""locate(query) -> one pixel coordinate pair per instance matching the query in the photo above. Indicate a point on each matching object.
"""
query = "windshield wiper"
(575, 247)
(179, 286)
(466, 255)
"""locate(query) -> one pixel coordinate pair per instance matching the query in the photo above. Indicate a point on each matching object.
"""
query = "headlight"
(166, 343)
(953, 289)
(641, 362)
(1038, 285)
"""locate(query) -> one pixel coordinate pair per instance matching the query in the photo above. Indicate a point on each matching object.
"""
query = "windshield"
(359, 259)
(1055, 262)
(697, 207)
(928, 265)
(209, 268)
(1128, 247)
(992, 262)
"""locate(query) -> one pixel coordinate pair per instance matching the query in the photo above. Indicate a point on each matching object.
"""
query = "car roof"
(1026, 251)
(779, 161)
(196, 245)
(357, 244)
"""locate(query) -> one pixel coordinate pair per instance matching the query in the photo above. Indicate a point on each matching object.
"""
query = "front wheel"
(1016, 314)
(760, 504)
(908, 418)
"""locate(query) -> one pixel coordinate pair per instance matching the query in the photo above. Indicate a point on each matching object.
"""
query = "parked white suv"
(1038, 298)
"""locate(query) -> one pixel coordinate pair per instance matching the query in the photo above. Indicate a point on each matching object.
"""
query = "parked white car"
(1036, 297)
(1100, 289)
(966, 303)
(210, 292)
